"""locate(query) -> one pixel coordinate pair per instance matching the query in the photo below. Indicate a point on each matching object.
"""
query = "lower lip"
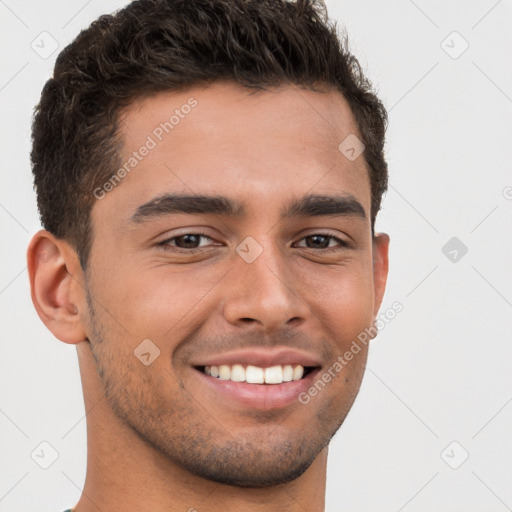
(262, 397)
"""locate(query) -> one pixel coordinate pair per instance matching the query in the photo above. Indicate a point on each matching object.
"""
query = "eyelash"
(166, 247)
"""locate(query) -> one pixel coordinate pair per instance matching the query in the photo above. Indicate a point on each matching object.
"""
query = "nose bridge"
(262, 289)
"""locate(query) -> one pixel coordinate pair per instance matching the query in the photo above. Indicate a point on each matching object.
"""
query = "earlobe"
(380, 268)
(56, 286)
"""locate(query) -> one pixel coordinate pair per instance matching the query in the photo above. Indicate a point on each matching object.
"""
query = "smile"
(262, 388)
(276, 374)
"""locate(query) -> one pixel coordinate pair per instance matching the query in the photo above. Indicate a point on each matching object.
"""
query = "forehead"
(228, 140)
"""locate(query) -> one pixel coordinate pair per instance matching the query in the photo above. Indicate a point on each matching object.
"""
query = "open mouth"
(277, 374)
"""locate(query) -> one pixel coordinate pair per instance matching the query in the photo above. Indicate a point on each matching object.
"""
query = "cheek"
(342, 302)
(159, 301)
(156, 301)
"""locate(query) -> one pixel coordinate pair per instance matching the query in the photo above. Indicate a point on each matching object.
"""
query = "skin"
(157, 438)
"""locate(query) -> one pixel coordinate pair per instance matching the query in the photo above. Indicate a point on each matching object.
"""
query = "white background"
(438, 373)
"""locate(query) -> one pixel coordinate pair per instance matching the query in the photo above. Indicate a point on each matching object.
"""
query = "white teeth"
(237, 373)
(287, 373)
(256, 375)
(224, 372)
(274, 375)
(298, 372)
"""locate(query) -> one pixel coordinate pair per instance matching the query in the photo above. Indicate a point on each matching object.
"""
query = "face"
(271, 265)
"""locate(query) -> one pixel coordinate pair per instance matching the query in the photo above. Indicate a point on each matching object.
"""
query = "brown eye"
(319, 241)
(187, 241)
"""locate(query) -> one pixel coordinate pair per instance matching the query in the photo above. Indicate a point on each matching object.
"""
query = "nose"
(265, 293)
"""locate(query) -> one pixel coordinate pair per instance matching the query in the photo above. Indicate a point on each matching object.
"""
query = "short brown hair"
(165, 45)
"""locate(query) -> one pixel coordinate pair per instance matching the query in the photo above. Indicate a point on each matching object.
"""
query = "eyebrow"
(307, 206)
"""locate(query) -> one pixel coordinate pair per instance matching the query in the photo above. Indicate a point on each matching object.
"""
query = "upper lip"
(263, 357)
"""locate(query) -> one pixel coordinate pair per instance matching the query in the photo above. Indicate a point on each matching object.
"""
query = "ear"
(56, 286)
(380, 268)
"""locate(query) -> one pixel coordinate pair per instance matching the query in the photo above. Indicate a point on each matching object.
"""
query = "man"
(208, 175)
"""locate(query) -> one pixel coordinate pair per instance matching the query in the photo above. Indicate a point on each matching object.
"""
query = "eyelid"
(165, 242)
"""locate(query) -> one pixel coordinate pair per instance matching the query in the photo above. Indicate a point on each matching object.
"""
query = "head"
(198, 199)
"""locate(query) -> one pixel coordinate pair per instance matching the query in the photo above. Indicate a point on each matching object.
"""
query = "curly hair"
(172, 45)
